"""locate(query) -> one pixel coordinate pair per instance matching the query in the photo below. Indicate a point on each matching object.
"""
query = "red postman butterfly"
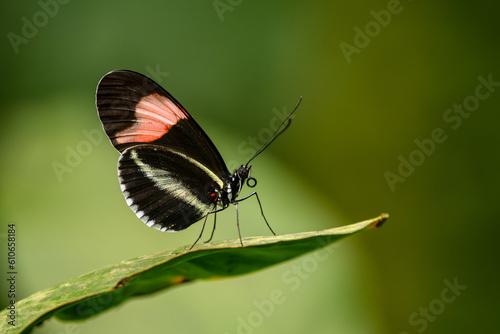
(170, 172)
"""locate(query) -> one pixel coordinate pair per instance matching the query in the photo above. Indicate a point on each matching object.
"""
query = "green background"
(235, 68)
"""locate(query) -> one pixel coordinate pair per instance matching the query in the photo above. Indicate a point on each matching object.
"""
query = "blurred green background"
(377, 78)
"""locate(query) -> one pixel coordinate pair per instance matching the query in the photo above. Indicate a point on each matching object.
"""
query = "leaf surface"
(87, 295)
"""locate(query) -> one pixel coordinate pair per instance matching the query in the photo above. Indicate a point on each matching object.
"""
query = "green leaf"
(87, 295)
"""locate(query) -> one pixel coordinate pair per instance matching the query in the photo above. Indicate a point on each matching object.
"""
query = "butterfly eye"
(251, 182)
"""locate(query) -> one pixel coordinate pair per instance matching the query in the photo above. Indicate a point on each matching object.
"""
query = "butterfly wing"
(165, 188)
(136, 110)
(170, 171)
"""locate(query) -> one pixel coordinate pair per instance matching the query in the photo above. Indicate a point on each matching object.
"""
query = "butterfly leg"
(260, 205)
(238, 223)
(201, 233)
(213, 230)
(203, 227)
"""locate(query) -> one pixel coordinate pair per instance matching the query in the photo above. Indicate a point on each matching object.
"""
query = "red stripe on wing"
(154, 116)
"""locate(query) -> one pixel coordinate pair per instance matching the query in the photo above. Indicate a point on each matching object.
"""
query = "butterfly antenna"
(276, 133)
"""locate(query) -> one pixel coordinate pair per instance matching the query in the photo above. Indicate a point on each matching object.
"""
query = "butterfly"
(170, 172)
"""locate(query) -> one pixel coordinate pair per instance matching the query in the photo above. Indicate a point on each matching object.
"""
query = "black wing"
(165, 188)
(136, 110)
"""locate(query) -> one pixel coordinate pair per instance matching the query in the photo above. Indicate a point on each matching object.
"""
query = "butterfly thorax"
(233, 186)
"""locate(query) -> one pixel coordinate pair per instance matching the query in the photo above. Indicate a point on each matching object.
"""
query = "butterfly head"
(243, 174)
(235, 184)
